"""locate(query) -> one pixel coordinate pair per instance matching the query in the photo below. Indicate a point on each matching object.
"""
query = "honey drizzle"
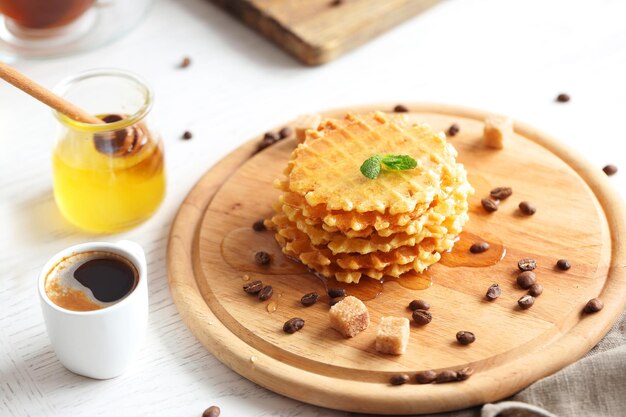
(240, 245)
(241, 257)
(460, 254)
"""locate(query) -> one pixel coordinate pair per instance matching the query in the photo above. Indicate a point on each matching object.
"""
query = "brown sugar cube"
(304, 123)
(349, 316)
(392, 336)
(497, 129)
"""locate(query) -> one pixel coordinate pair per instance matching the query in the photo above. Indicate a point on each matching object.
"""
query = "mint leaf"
(371, 167)
(399, 162)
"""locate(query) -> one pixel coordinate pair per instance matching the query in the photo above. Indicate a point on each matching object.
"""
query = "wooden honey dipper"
(117, 143)
(41, 93)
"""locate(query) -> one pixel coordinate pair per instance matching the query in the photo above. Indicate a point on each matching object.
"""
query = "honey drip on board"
(460, 254)
(366, 289)
(240, 245)
(413, 280)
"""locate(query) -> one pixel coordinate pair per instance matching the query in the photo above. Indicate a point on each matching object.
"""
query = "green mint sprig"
(372, 166)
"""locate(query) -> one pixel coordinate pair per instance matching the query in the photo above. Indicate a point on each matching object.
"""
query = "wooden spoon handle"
(19, 80)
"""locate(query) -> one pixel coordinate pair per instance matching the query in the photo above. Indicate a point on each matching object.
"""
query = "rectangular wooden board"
(317, 31)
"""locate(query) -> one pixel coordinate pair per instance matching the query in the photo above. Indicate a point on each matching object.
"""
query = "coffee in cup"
(92, 280)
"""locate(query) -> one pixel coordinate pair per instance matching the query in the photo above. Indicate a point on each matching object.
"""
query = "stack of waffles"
(344, 225)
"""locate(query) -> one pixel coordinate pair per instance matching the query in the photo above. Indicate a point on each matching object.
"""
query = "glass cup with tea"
(32, 17)
(94, 299)
(108, 177)
(46, 28)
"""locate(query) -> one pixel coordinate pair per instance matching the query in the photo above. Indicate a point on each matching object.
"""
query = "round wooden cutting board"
(579, 217)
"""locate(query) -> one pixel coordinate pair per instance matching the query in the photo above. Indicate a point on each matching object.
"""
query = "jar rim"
(62, 87)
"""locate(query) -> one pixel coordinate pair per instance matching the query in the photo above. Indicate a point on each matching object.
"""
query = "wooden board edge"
(307, 52)
(329, 392)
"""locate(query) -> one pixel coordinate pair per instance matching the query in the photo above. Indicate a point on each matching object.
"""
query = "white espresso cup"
(102, 343)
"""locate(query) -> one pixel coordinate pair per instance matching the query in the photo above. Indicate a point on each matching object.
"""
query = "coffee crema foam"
(64, 290)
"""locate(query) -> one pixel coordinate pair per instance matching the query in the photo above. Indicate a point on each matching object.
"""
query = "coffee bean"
(453, 129)
(335, 300)
(262, 258)
(419, 305)
(501, 193)
(293, 325)
(465, 338)
(187, 135)
(446, 376)
(593, 306)
(400, 109)
(336, 292)
(271, 136)
(253, 287)
(425, 377)
(400, 379)
(422, 317)
(493, 292)
(563, 264)
(526, 279)
(212, 411)
(535, 290)
(526, 302)
(489, 205)
(266, 293)
(264, 144)
(285, 132)
(259, 225)
(186, 61)
(309, 299)
(479, 247)
(527, 208)
(610, 170)
(526, 264)
(563, 98)
(464, 374)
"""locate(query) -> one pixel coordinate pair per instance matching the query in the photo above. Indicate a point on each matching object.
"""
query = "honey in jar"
(108, 177)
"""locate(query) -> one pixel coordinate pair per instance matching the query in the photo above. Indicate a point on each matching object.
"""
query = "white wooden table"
(512, 57)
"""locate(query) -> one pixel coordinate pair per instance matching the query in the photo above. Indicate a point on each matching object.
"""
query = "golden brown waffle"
(325, 168)
(355, 224)
(341, 224)
(345, 221)
(442, 220)
(453, 203)
(325, 267)
(375, 264)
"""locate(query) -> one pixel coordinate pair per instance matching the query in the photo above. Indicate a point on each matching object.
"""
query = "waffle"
(349, 267)
(346, 221)
(341, 224)
(325, 168)
(324, 264)
(373, 225)
(442, 220)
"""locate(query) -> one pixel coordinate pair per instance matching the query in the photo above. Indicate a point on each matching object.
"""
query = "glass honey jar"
(108, 177)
